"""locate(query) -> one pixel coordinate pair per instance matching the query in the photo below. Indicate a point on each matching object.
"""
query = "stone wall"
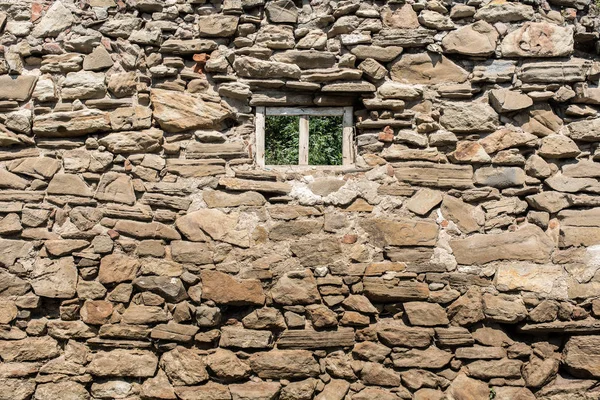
(144, 256)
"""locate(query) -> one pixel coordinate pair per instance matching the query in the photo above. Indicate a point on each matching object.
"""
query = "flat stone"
(581, 356)
(558, 146)
(255, 391)
(18, 87)
(12, 250)
(380, 290)
(382, 54)
(426, 69)
(224, 289)
(169, 288)
(66, 389)
(184, 366)
(243, 185)
(469, 117)
(56, 20)
(383, 232)
(507, 138)
(29, 349)
(425, 314)
(463, 387)
(296, 288)
(121, 362)
(538, 39)
(147, 230)
(250, 67)
(528, 243)
(115, 187)
(431, 358)
(500, 177)
(478, 39)
(467, 217)
(505, 101)
(189, 46)
(284, 364)
(501, 310)
(306, 59)
(547, 280)
(585, 130)
(116, 268)
(190, 112)
(55, 279)
(310, 339)
(209, 391)
(217, 25)
(422, 202)
(238, 337)
(71, 123)
(216, 224)
(435, 175)
(68, 184)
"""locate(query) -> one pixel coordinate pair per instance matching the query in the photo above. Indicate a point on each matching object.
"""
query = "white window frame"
(348, 150)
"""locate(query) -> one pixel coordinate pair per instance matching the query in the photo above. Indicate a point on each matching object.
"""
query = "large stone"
(218, 199)
(427, 68)
(275, 36)
(306, 59)
(71, 123)
(311, 339)
(97, 60)
(203, 224)
(238, 337)
(121, 362)
(468, 218)
(469, 117)
(403, 17)
(169, 288)
(115, 268)
(217, 25)
(65, 390)
(282, 11)
(315, 252)
(500, 177)
(55, 279)
(143, 315)
(505, 101)
(147, 230)
(68, 184)
(190, 46)
(546, 280)
(431, 358)
(538, 39)
(209, 391)
(16, 388)
(478, 39)
(528, 243)
(255, 391)
(29, 349)
(177, 112)
(582, 356)
(507, 138)
(435, 175)
(115, 187)
(12, 250)
(503, 310)
(18, 87)
(381, 290)
(425, 314)
(83, 85)
(184, 366)
(284, 364)
(563, 71)
(146, 141)
(384, 232)
(224, 289)
(56, 20)
(294, 288)
(586, 130)
(558, 146)
(465, 388)
(226, 365)
(505, 11)
(250, 67)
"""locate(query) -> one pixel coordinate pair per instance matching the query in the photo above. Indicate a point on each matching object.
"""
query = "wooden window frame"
(348, 148)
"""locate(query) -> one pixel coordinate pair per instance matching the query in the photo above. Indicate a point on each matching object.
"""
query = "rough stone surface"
(453, 254)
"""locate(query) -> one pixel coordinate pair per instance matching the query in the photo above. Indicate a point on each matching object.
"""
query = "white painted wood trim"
(303, 142)
(314, 111)
(260, 136)
(348, 137)
(348, 146)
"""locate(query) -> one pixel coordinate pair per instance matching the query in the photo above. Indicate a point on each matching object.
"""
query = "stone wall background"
(142, 256)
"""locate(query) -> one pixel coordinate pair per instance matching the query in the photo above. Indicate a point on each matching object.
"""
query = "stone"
(189, 46)
(64, 247)
(539, 372)
(238, 337)
(68, 184)
(71, 123)
(558, 146)
(539, 120)
(158, 387)
(224, 289)
(201, 224)
(311, 339)
(219, 199)
(434, 20)
(170, 288)
(501, 177)
(425, 314)
(467, 309)
(56, 20)
(527, 243)
(190, 112)
(215, 25)
(581, 355)
(422, 202)
(116, 268)
(284, 364)
(121, 362)
(54, 279)
(29, 349)
(255, 391)
(17, 388)
(506, 138)
(298, 287)
(505, 101)
(12, 250)
(208, 391)
(413, 358)
(184, 366)
(476, 117)
(301, 390)
(507, 311)
(147, 230)
(255, 68)
(377, 289)
(383, 232)
(478, 39)
(336, 389)
(538, 39)
(463, 387)
(586, 130)
(226, 365)
(97, 60)
(8, 311)
(504, 11)
(18, 87)
(403, 17)
(381, 54)
(83, 85)
(435, 175)
(377, 374)
(67, 390)
(115, 187)
(315, 252)
(467, 217)
(426, 69)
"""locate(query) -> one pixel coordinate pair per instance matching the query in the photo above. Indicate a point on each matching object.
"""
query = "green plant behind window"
(325, 141)
(282, 135)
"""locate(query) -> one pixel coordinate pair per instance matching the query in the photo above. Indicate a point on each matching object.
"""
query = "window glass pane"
(325, 141)
(282, 134)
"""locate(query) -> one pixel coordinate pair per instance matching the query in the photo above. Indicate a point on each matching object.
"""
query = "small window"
(304, 136)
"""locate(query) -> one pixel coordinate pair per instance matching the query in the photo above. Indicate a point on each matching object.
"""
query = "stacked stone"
(143, 255)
